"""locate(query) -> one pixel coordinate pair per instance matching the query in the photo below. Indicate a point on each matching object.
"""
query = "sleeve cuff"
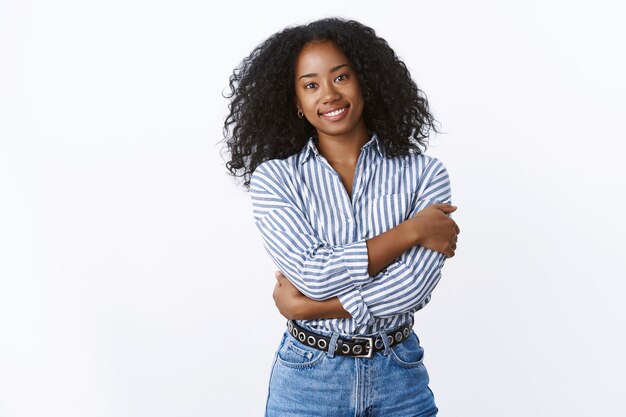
(353, 303)
(356, 262)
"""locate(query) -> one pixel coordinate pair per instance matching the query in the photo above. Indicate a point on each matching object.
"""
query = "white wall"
(133, 281)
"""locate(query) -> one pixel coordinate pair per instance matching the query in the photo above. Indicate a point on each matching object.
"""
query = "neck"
(343, 149)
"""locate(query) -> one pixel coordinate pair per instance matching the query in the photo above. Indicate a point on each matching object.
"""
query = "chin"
(337, 130)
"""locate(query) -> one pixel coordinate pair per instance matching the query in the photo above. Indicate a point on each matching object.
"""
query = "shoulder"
(275, 170)
(278, 177)
(274, 185)
(434, 181)
(427, 176)
(421, 165)
(424, 159)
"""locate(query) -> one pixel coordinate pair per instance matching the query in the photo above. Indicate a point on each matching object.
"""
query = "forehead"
(319, 56)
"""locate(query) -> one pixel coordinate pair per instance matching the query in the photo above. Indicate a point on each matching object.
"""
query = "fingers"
(445, 207)
(279, 276)
(275, 292)
(452, 247)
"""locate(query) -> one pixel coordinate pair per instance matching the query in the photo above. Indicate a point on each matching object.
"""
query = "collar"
(310, 149)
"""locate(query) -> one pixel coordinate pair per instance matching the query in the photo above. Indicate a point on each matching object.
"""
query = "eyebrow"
(333, 69)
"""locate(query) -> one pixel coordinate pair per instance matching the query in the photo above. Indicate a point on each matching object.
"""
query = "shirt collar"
(310, 149)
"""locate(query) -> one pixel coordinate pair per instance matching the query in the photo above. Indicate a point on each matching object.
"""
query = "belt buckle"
(370, 351)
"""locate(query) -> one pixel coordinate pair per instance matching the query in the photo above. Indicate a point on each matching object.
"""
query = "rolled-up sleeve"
(407, 283)
(318, 269)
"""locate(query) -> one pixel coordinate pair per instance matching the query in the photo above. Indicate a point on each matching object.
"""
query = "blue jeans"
(308, 382)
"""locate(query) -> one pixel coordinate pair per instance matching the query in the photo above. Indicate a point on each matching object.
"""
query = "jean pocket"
(408, 354)
(294, 354)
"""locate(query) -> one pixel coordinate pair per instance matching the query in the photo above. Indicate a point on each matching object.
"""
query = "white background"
(134, 283)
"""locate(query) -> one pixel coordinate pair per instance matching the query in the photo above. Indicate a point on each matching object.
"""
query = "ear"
(298, 107)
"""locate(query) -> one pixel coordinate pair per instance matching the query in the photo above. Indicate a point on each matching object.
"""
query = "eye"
(341, 77)
(310, 85)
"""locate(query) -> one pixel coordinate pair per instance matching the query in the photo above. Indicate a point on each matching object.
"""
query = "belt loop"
(332, 346)
(383, 335)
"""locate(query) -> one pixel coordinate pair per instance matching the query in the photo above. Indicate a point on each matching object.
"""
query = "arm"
(406, 284)
(292, 304)
(320, 271)
(431, 228)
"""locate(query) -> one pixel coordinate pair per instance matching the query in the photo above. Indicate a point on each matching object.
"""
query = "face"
(328, 91)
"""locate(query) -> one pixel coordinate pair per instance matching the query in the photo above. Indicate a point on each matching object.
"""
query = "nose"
(330, 93)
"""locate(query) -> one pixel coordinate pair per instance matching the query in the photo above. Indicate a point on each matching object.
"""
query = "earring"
(300, 114)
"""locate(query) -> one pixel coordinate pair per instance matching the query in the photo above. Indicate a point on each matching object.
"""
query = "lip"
(337, 116)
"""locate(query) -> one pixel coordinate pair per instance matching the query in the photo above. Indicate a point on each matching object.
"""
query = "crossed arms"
(387, 274)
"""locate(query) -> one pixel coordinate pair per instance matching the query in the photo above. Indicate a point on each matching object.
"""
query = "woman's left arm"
(406, 284)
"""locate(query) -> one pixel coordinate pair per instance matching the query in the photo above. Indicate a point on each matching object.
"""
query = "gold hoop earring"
(300, 114)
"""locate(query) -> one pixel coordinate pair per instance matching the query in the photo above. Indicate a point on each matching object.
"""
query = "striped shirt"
(316, 233)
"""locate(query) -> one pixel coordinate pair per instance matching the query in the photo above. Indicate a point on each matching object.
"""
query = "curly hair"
(262, 123)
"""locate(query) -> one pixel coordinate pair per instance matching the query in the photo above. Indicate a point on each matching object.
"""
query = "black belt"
(356, 346)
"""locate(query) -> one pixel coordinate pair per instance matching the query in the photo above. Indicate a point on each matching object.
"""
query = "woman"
(326, 128)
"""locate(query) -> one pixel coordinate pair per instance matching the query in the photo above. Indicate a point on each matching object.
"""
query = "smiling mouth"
(335, 113)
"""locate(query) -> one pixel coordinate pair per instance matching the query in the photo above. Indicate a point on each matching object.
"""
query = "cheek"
(357, 100)
(355, 94)
(297, 101)
(302, 100)
(358, 94)
(308, 106)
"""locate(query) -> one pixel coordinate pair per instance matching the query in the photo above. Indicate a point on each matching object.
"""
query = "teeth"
(335, 113)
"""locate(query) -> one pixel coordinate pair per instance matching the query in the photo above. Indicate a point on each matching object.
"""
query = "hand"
(288, 298)
(437, 231)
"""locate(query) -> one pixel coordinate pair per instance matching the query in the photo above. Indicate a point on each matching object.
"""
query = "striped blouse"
(316, 233)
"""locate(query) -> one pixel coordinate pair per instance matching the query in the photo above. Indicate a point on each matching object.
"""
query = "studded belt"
(355, 346)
